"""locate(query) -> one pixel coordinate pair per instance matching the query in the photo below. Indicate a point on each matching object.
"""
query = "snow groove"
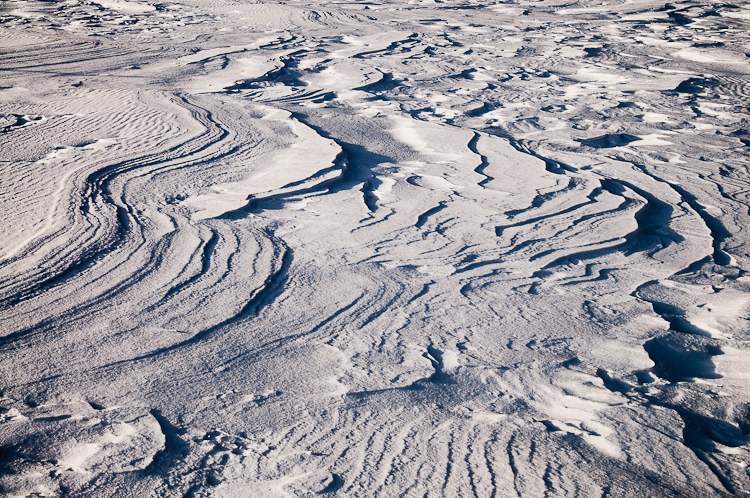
(357, 249)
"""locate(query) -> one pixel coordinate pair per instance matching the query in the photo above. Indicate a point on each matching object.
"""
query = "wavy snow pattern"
(397, 249)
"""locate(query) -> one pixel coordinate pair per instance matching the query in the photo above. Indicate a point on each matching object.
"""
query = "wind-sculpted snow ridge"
(374, 249)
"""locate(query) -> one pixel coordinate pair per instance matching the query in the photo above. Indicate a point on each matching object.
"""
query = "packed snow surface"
(374, 248)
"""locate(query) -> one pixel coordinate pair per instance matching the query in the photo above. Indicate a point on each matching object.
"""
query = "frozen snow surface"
(374, 248)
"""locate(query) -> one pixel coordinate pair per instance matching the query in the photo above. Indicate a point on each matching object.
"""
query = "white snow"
(408, 248)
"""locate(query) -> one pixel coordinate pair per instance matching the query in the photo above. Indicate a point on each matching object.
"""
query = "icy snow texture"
(374, 248)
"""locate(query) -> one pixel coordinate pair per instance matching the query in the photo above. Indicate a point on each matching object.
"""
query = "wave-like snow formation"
(389, 248)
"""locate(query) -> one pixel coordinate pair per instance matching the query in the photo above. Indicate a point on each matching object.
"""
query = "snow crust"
(388, 248)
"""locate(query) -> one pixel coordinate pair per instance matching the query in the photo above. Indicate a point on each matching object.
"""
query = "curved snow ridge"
(152, 236)
(360, 249)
